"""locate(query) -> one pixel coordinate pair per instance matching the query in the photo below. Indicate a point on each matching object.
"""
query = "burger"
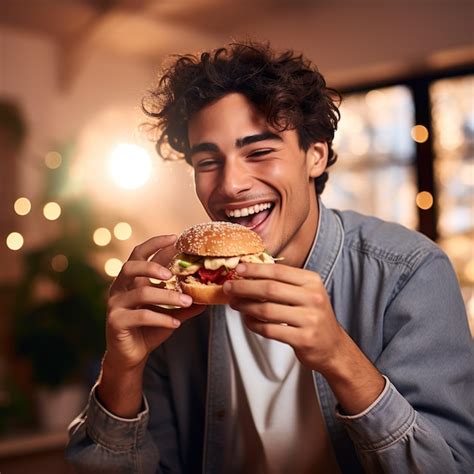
(208, 255)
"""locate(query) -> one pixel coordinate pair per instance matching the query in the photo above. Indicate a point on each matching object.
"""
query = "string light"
(419, 133)
(113, 266)
(52, 211)
(59, 263)
(102, 236)
(53, 160)
(123, 231)
(14, 241)
(424, 200)
(22, 206)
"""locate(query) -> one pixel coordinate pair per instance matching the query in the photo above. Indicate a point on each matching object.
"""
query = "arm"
(427, 420)
(112, 435)
(379, 419)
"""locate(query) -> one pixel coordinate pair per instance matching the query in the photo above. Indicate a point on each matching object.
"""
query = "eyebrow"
(259, 137)
(239, 143)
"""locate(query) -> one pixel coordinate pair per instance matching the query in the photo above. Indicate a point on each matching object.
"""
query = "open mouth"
(251, 216)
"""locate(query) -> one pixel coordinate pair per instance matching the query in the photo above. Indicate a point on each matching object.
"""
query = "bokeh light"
(52, 211)
(59, 263)
(22, 206)
(14, 241)
(424, 200)
(130, 166)
(419, 133)
(53, 160)
(113, 266)
(102, 236)
(123, 231)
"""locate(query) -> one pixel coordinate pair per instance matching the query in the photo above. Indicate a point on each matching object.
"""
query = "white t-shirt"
(277, 422)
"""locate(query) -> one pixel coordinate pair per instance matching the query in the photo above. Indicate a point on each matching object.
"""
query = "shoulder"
(385, 241)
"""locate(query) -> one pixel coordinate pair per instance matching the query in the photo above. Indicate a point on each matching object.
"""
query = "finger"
(164, 255)
(184, 314)
(278, 272)
(266, 290)
(149, 295)
(142, 268)
(126, 319)
(145, 250)
(268, 312)
(277, 332)
(139, 272)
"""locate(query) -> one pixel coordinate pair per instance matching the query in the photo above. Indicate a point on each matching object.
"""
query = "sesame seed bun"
(219, 239)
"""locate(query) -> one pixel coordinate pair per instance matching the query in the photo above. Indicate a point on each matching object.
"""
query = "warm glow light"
(376, 99)
(469, 271)
(419, 133)
(123, 231)
(130, 166)
(22, 206)
(53, 160)
(59, 263)
(102, 236)
(15, 241)
(52, 210)
(112, 267)
(424, 200)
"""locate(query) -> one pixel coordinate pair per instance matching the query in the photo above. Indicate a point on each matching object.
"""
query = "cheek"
(289, 181)
(202, 190)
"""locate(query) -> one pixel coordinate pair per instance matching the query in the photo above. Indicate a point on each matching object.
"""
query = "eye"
(207, 164)
(260, 152)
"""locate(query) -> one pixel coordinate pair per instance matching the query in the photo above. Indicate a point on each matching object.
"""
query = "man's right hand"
(136, 325)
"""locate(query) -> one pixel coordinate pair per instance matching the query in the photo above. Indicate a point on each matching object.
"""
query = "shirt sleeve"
(423, 419)
(101, 442)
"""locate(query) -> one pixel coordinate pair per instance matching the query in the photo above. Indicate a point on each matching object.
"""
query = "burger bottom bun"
(205, 294)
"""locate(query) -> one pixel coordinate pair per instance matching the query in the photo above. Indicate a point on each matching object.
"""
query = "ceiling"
(345, 37)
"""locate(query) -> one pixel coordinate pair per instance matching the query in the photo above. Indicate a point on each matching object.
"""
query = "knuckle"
(141, 316)
(317, 298)
(307, 340)
(271, 289)
(143, 293)
(127, 268)
(265, 311)
(317, 279)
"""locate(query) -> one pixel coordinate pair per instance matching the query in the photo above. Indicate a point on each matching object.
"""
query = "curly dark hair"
(286, 87)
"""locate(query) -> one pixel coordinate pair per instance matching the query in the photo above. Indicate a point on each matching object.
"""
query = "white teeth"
(245, 211)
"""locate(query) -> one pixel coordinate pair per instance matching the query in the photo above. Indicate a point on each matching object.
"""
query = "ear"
(317, 158)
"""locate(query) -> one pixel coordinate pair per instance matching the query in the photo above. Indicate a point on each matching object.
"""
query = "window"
(375, 173)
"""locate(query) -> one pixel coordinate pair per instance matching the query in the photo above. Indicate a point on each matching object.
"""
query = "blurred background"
(80, 186)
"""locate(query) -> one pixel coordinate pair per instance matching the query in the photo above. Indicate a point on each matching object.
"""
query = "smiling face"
(248, 173)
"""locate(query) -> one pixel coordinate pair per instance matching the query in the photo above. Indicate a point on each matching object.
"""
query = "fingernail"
(226, 286)
(176, 323)
(185, 299)
(165, 274)
(240, 268)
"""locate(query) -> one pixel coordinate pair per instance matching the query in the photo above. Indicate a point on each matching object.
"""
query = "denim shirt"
(394, 292)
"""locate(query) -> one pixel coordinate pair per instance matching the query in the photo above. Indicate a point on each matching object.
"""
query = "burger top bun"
(219, 239)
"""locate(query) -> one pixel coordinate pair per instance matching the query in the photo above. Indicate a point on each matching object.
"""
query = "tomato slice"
(218, 276)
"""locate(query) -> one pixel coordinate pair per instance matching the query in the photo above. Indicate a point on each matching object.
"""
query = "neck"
(298, 249)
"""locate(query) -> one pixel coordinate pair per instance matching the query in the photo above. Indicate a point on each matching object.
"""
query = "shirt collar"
(327, 244)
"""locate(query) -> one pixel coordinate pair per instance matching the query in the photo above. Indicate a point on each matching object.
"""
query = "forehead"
(227, 119)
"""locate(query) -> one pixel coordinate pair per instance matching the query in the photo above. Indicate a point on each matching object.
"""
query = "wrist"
(120, 388)
(355, 381)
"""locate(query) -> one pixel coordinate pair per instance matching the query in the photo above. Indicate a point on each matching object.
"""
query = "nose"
(235, 178)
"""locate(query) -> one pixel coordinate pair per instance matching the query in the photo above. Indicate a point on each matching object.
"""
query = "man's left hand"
(290, 305)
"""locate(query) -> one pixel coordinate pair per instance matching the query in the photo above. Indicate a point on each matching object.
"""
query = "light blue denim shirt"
(395, 293)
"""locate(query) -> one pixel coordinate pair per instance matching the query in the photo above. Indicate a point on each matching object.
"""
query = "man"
(353, 355)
